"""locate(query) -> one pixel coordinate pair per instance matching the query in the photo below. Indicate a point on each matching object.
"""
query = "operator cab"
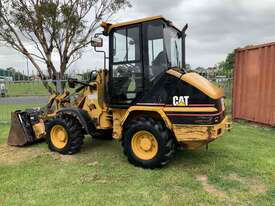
(140, 52)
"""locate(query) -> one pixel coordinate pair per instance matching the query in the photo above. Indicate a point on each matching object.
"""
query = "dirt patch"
(203, 204)
(18, 154)
(203, 179)
(12, 155)
(63, 158)
(235, 177)
(257, 187)
(254, 185)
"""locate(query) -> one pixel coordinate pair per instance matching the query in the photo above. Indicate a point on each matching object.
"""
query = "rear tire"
(147, 143)
(65, 135)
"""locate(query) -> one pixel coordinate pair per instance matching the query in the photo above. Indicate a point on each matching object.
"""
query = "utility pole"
(28, 69)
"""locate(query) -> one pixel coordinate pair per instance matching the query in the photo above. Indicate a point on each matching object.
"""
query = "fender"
(82, 116)
(158, 110)
(120, 116)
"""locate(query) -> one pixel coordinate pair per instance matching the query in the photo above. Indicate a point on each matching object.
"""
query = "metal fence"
(226, 84)
(30, 94)
(21, 95)
(11, 75)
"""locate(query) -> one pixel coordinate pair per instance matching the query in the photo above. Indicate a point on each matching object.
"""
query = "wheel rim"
(144, 145)
(59, 136)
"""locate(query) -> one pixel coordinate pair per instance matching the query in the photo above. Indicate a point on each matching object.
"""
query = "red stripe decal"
(192, 105)
(190, 115)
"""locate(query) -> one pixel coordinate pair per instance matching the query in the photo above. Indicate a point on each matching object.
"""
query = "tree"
(16, 74)
(228, 65)
(53, 27)
(188, 67)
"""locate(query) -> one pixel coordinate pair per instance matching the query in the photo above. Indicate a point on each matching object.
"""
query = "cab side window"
(157, 57)
(120, 52)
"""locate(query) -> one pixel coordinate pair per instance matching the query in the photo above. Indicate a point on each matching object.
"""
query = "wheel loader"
(145, 99)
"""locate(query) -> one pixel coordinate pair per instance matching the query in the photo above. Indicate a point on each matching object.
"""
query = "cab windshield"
(172, 43)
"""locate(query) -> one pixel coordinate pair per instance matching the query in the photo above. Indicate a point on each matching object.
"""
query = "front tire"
(147, 143)
(65, 135)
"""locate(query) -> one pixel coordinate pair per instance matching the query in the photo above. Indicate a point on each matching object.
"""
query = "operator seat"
(159, 64)
(120, 88)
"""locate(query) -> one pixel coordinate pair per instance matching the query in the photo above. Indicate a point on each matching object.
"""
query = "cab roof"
(108, 27)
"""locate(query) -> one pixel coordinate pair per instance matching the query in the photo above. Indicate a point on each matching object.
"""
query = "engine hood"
(200, 83)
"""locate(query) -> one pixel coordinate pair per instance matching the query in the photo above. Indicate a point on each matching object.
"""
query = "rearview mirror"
(97, 42)
(93, 75)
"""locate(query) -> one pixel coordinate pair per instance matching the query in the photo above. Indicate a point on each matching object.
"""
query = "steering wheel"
(125, 70)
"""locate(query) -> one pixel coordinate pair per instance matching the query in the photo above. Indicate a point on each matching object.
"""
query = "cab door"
(126, 68)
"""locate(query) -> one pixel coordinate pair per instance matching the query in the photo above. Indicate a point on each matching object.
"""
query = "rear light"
(203, 120)
(208, 120)
(222, 104)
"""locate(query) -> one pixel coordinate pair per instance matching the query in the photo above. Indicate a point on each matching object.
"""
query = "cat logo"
(180, 100)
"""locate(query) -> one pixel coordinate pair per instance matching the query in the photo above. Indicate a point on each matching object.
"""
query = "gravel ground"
(24, 100)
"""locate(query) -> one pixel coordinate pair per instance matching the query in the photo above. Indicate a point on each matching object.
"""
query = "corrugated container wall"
(254, 84)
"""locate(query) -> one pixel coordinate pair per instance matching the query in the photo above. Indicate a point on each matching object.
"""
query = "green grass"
(34, 88)
(6, 109)
(4, 128)
(26, 89)
(240, 168)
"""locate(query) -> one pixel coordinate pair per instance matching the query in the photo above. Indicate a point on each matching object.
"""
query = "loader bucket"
(21, 132)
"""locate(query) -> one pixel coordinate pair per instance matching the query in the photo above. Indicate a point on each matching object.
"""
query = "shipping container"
(254, 84)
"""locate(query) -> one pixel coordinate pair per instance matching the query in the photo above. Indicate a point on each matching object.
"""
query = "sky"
(216, 27)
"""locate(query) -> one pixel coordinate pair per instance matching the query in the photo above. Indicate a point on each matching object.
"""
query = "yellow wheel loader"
(145, 99)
